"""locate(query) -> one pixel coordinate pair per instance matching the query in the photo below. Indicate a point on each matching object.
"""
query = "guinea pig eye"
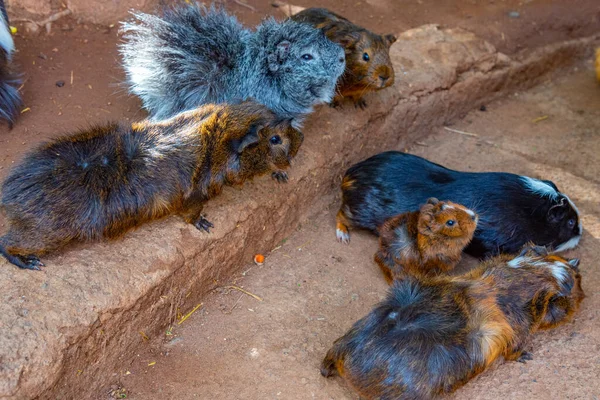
(571, 223)
(307, 57)
(366, 57)
(450, 222)
(275, 139)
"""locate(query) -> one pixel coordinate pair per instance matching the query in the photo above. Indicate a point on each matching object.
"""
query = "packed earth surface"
(261, 333)
(312, 289)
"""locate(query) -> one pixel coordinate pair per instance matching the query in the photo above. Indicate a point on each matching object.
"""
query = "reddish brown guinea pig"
(425, 242)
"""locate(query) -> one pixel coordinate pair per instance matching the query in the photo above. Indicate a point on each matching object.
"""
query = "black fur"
(510, 214)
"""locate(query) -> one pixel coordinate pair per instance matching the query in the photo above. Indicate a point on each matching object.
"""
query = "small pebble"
(60, 83)
(514, 14)
(483, 108)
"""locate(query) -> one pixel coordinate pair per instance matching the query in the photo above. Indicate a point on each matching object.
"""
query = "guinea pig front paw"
(280, 176)
(524, 357)
(342, 234)
(360, 103)
(30, 262)
(202, 224)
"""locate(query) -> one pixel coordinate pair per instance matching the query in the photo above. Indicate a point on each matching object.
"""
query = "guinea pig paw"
(342, 236)
(524, 357)
(203, 224)
(280, 176)
(31, 262)
(360, 103)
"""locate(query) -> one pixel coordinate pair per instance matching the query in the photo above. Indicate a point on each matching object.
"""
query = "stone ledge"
(66, 330)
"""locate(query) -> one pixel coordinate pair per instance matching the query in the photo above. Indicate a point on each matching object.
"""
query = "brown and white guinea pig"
(513, 210)
(104, 181)
(425, 242)
(10, 98)
(431, 335)
(368, 64)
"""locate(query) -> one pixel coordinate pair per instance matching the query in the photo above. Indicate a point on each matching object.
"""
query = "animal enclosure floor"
(313, 288)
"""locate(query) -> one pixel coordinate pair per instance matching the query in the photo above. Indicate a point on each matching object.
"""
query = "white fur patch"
(447, 207)
(558, 271)
(516, 262)
(578, 217)
(569, 244)
(539, 187)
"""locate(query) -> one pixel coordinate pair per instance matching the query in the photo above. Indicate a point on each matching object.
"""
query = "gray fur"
(193, 55)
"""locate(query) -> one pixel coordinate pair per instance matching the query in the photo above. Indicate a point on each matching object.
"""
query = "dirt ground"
(312, 288)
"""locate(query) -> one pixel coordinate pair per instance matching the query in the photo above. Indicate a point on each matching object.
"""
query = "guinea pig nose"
(473, 217)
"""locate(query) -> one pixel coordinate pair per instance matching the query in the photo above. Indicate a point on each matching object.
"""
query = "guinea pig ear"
(390, 39)
(538, 250)
(432, 200)
(559, 309)
(556, 213)
(425, 219)
(275, 59)
(249, 139)
(574, 263)
(346, 39)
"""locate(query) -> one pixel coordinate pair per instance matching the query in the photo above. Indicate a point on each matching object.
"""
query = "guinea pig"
(431, 335)
(425, 242)
(104, 181)
(368, 64)
(513, 210)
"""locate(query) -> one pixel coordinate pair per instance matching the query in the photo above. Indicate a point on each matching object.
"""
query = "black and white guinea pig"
(10, 98)
(513, 210)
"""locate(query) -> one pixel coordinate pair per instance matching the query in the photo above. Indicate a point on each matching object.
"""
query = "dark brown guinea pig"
(104, 181)
(368, 64)
(431, 335)
(425, 242)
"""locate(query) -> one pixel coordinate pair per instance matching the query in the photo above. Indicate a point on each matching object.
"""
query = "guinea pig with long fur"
(513, 210)
(104, 181)
(431, 335)
(425, 242)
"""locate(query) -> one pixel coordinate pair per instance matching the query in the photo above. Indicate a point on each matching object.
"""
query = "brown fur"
(361, 76)
(102, 182)
(433, 334)
(421, 242)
